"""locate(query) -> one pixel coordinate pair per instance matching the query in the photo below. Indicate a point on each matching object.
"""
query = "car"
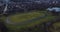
(54, 10)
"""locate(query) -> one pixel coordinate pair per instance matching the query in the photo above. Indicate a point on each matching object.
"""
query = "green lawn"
(13, 27)
(25, 16)
(3, 18)
(46, 19)
(56, 25)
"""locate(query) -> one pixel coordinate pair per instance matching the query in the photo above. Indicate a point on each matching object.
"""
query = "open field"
(55, 27)
(14, 27)
(17, 27)
(3, 18)
(26, 16)
(57, 24)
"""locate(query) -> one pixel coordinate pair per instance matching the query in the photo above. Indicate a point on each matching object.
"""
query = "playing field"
(17, 27)
(23, 17)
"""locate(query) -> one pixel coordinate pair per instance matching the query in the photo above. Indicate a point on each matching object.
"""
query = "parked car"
(54, 10)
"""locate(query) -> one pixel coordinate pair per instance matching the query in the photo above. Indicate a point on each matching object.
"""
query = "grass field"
(46, 19)
(3, 18)
(57, 24)
(25, 16)
(17, 27)
(56, 27)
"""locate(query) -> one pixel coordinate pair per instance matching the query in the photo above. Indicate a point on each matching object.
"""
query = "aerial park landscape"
(33, 21)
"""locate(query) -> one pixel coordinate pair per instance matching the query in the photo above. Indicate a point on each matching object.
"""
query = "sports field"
(23, 17)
